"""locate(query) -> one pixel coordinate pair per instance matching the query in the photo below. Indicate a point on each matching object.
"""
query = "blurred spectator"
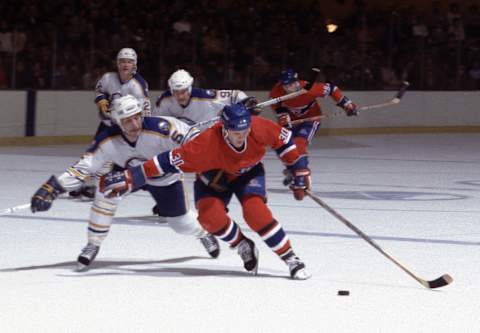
(373, 47)
(3, 76)
(6, 38)
(23, 76)
(472, 21)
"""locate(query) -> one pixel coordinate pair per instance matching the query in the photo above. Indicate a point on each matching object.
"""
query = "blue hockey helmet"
(236, 117)
(288, 76)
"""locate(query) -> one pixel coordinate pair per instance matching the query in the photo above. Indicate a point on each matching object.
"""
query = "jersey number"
(177, 137)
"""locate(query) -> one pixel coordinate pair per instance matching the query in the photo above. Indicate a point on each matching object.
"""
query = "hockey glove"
(348, 106)
(301, 183)
(119, 183)
(251, 104)
(103, 105)
(284, 120)
(44, 196)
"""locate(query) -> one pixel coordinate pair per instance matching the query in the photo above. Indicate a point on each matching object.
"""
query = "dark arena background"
(389, 126)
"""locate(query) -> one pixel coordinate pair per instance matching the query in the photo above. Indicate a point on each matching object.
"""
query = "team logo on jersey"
(285, 135)
(134, 161)
(116, 95)
(164, 127)
(254, 183)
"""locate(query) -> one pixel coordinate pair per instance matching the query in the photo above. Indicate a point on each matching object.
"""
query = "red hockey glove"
(284, 120)
(301, 183)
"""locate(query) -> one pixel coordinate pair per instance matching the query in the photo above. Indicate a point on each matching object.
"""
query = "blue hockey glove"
(44, 196)
(301, 183)
(348, 106)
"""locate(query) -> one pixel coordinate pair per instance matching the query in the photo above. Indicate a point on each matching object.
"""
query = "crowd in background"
(243, 44)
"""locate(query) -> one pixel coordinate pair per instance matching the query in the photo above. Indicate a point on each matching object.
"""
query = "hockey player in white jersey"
(125, 81)
(132, 140)
(193, 105)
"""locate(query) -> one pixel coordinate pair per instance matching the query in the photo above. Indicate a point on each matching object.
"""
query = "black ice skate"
(210, 244)
(296, 267)
(87, 256)
(249, 254)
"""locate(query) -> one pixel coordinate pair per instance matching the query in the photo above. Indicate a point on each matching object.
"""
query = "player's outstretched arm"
(119, 183)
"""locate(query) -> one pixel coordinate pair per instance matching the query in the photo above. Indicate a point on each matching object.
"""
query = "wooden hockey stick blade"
(437, 283)
(442, 281)
(14, 209)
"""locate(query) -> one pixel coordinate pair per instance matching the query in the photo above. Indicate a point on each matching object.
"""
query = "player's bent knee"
(211, 214)
(255, 212)
(186, 224)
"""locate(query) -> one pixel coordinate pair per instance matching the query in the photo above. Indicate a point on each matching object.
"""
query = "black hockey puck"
(343, 293)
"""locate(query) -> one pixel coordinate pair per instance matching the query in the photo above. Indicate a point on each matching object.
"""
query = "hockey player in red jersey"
(227, 158)
(305, 106)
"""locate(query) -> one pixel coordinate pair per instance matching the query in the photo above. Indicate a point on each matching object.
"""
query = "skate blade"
(302, 274)
(80, 268)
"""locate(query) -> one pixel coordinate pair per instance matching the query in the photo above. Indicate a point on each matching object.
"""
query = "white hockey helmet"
(124, 107)
(127, 53)
(180, 80)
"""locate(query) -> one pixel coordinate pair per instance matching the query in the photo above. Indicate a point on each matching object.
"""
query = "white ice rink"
(417, 196)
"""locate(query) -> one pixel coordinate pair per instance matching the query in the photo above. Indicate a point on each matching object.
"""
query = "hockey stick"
(14, 209)
(437, 283)
(393, 101)
(311, 80)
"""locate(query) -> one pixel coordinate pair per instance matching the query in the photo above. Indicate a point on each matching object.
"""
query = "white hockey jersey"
(159, 134)
(110, 87)
(204, 104)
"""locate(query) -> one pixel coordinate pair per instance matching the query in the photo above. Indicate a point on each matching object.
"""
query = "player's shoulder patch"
(157, 124)
(204, 93)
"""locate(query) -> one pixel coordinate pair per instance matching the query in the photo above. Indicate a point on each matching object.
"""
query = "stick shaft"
(365, 237)
(314, 74)
(311, 80)
(390, 102)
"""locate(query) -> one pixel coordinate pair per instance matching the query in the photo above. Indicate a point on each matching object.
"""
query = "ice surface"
(417, 196)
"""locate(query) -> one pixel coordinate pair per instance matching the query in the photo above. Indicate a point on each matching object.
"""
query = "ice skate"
(211, 245)
(249, 254)
(87, 256)
(297, 268)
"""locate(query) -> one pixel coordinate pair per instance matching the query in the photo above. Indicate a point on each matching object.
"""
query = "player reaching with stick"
(305, 106)
(227, 158)
(132, 140)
